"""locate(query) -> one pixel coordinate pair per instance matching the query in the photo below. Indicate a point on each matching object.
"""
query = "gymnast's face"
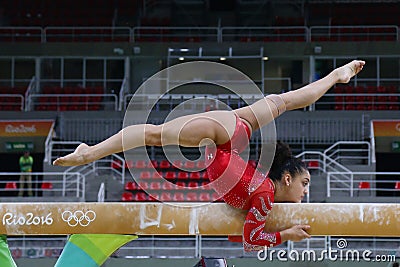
(296, 187)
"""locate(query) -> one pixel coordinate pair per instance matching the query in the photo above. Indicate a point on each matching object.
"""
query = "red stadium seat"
(156, 175)
(167, 186)
(155, 185)
(143, 185)
(154, 196)
(164, 164)
(201, 164)
(116, 164)
(364, 185)
(145, 175)
(181, 184)
(193, 184)
(47, 185)
(140, 164)
(129, 164)
(183, 175)
(130, 186)
(170, 175)
(313, 164)
(204, 197)
(397, 185)
(165, 196)
(140, 196)
(11, 185)
(191, 196)
(178, 196)
(127, 196)
(177, 164)
(152, 164)
(194, 175)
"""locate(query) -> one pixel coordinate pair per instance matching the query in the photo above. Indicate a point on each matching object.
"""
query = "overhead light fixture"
(222, 58)
(184, 50)
(265, 58)
(181, 58)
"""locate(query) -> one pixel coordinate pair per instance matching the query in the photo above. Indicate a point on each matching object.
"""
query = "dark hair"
(284, 161)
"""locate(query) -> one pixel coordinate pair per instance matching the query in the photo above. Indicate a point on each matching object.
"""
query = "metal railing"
(48, 146)
(265, 34)
(107, 164)
(359, 155)
(12, 102)
(354, 33)
(200, 34)
(197, 246)
(101, 194)
(62, 183)
(87, 34)
(349, 186)
(367, 101)
(175, 34)
(30, 90)
(61, 102)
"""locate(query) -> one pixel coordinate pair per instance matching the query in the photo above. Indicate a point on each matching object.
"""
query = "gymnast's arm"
(254, 236)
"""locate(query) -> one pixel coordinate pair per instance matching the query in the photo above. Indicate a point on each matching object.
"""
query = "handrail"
(351, 188)
(101, 193)
(31, 87)
(187, 32)
(79, 181)
(48, 145)
(14, 96)
(88, 32)
(326, 151)
(122, 92)
(217, 34)
(61, 96)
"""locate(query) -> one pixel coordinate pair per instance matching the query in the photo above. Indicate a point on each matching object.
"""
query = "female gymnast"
(225, 134)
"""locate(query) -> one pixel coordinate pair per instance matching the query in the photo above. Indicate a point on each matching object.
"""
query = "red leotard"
(243, 187)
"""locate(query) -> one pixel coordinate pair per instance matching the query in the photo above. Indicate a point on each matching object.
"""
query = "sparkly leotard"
(243, 187)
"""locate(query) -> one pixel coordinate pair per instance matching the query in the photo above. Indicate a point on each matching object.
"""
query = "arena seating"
(9, 102)
(70, 98)
(151, 179)
(366, 98)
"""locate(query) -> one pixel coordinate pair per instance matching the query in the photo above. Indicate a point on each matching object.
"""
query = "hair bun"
(282, 154)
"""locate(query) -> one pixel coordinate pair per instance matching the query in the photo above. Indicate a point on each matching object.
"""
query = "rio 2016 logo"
(26, 219)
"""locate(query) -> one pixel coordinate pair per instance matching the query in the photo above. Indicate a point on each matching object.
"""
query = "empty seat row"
(158, 185)
(162, 164)
(13, 90)
(348, 89)
(172, 175)
(170, 197)
(72, 90)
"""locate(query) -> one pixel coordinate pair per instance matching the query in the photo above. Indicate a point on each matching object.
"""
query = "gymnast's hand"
(74, 159)
(296, 233)
(348, 71)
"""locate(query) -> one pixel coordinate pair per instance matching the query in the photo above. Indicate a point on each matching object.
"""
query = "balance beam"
(334, 219)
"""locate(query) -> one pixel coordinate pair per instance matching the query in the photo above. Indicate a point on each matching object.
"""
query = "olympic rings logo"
(78, 217)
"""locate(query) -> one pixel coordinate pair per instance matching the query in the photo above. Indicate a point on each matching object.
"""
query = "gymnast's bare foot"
(74, 159)
(348, 71)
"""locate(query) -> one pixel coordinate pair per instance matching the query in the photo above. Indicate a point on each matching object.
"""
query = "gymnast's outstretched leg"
(190, 131)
